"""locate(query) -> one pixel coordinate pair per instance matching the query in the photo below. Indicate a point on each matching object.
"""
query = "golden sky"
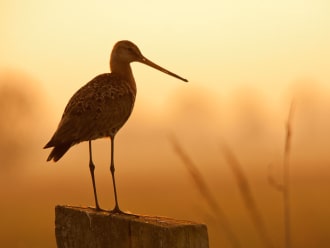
(218, 45)
(245, 61)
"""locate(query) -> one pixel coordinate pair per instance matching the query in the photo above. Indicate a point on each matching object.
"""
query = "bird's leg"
(92, 168)
(112, 169)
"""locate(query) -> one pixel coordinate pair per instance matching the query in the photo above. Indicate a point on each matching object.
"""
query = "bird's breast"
(98, 109)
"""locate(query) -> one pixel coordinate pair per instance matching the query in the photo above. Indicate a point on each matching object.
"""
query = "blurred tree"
(18, 114)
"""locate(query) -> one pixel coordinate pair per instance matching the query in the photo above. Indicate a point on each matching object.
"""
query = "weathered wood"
(78, 227)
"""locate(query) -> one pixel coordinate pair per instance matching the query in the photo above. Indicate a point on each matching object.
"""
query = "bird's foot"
(97, 208)
(117, 210)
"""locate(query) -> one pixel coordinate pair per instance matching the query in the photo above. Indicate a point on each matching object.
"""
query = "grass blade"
(246, 193)
(205, 192)
(286, 179)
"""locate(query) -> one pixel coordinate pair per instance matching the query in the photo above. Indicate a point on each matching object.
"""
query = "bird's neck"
(122, 69)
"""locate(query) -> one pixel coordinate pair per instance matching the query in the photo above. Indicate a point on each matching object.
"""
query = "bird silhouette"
(100, 108)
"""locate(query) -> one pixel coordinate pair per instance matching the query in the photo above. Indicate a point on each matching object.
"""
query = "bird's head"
(125, 52)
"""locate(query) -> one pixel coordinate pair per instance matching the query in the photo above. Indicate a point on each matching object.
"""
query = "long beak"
(152, 64)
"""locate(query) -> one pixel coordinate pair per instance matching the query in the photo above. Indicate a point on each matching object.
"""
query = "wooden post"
(78, 227)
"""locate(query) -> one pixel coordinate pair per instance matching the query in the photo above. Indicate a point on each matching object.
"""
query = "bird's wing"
(94, 110)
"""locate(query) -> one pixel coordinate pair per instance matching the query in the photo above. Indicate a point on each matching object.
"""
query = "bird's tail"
(58, 151)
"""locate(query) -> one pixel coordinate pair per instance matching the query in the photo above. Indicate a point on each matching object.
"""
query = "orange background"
(245, 61)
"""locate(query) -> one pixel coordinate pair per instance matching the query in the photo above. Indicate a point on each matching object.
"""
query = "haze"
(246, 61)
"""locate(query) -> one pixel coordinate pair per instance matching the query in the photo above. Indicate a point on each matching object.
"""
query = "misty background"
(245, 64)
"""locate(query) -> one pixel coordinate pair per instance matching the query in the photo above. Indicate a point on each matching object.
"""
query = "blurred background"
(246, 61)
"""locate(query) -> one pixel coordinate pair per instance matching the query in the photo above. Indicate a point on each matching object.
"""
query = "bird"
(100, 108)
